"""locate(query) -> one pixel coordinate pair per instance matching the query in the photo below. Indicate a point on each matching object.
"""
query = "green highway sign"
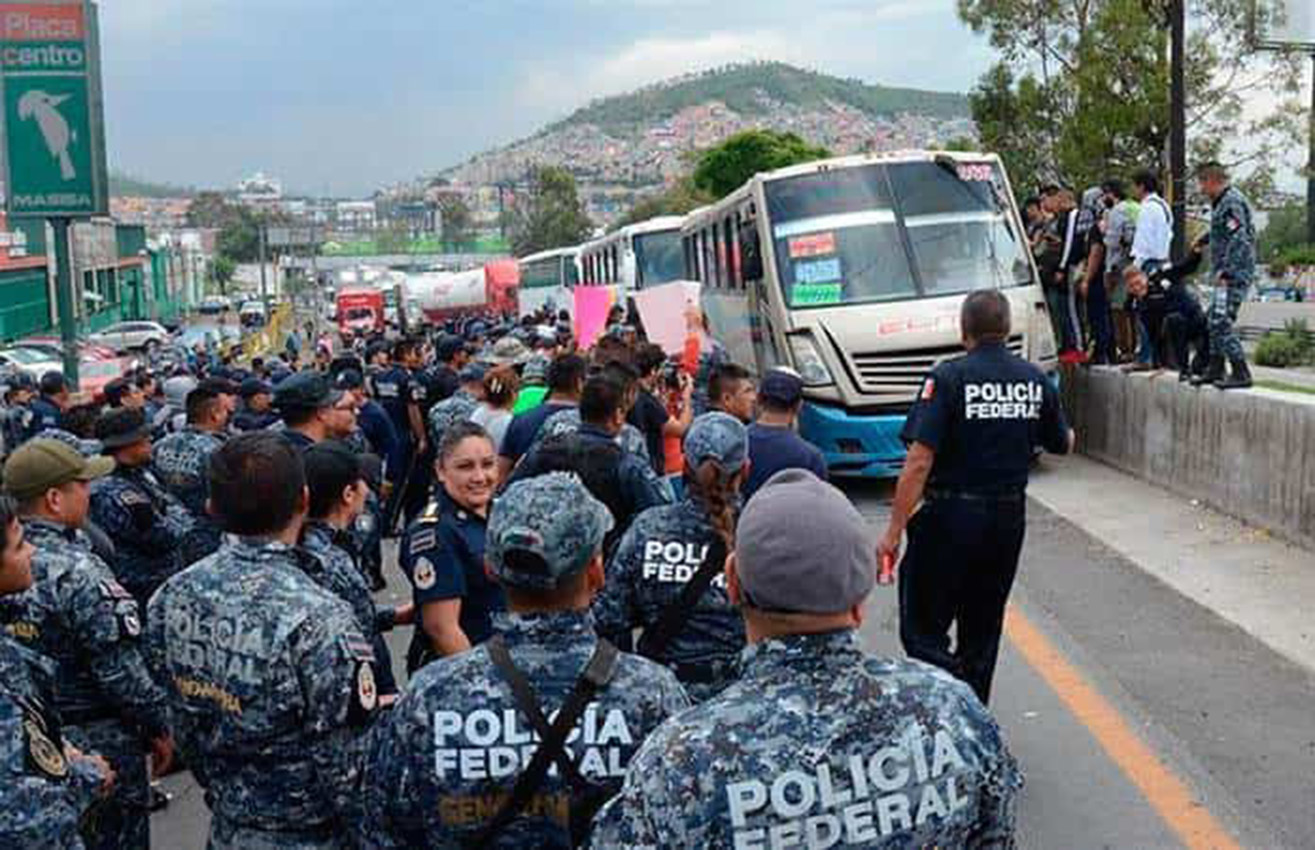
(51, 122)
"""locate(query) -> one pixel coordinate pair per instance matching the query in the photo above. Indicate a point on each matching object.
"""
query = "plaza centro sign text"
(50, 38)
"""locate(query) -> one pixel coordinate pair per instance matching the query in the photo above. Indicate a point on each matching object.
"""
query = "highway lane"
(1141, 719)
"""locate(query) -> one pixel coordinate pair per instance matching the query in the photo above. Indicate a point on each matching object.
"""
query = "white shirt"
(1154, 230)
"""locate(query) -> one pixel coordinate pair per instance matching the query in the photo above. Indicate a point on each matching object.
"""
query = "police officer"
(972, 434)
(16, 424)
(437, 774)
(313, 410)
(1233, 264)
(401, 397)
(172, 416)
(451, 355)
(80, 617)
(459, 406)
(817, 744)
(667, 548)
(146, 523)
(336, 478)
(630, 439)
(50, 786)
(269, 680)
(48, 408)
(179, 460)
(622, 480)
(372, 435)
(255, 414)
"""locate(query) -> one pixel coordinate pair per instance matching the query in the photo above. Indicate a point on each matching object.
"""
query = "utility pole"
(1178, 123)
(1310, 168)
(68, 330)
(264, 290)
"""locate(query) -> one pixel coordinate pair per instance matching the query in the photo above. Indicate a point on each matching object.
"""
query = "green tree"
(1095, 72)
(222, 270)
(1286, 230)
(550, 215)
(457, 219)
(680, 198)
(726, 167)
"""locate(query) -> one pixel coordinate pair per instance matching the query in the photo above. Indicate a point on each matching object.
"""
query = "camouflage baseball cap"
(40, 464)
(718, 437)
(543, 530)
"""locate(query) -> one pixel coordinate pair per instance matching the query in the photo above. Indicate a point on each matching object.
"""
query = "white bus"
(636, 256)
(852, 271)
(548, 279)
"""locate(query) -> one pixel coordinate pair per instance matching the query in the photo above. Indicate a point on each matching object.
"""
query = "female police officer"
(442, 552)
(666, 550)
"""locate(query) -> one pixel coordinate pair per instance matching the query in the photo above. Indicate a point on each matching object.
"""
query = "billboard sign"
(1283, 23)
(51, 109)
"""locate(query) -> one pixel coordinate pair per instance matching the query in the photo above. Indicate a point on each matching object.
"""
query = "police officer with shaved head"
(453, 765)
(972, 434)
(817, 744)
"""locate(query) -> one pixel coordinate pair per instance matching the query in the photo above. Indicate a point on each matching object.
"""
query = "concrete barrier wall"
(1250, 454)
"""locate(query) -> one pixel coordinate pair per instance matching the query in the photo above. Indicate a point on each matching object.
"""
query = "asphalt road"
(1142, 720)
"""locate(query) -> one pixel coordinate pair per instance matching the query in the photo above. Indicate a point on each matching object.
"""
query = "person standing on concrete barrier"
(972, 434)
(1233, 266)
(817, 744)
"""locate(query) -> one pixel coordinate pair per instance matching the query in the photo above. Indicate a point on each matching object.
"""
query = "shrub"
(1281, 351)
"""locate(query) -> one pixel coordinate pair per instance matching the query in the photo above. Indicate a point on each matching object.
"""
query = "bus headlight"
(809, 363)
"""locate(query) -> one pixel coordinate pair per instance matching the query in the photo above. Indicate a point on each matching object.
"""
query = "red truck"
(447, 295)
(360, 313)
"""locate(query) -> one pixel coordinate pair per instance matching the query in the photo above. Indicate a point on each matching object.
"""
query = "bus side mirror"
(751, 257)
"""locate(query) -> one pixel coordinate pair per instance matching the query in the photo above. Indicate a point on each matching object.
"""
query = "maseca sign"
(50, 88)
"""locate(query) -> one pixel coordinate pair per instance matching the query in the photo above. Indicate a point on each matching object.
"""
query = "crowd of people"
(1117, 296)
(634, 609)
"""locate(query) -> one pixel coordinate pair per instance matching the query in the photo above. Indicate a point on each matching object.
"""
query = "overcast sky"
(341, 97)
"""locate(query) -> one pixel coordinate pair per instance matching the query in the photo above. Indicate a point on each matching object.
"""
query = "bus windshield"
(658, 258)
(541, 273)
(839, 235)
(960, 228)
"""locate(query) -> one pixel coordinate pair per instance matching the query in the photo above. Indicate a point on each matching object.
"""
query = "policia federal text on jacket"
(972, 434)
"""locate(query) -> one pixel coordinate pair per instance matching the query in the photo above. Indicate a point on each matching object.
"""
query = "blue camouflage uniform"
(457, 407)
(271, 686)
(44, 795)
(631, 439)
(450, 750)
(179, 462)
(335, 569)
(146, 524)
(45, 414)
(81, 618)
(1233, 266)
(15, 426)
(246, 419)
(820, 745)
(662, 550)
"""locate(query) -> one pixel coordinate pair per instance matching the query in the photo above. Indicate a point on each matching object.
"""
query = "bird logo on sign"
(44, 108)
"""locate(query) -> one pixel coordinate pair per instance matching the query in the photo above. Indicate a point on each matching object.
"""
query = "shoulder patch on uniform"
(423, 575)
(43, 752)
(132, 624)
(928, 389)
(422, 539)
(128, 498)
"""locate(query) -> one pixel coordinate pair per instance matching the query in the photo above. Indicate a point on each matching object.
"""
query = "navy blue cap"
(348, 379)
(254, 386)
(782, 385)
(305, 390)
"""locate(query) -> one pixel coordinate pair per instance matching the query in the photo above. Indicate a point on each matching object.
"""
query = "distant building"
(259, 190)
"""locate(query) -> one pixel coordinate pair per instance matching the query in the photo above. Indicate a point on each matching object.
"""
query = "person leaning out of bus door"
(972, 435)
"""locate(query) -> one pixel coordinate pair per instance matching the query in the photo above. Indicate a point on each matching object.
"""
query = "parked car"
(31, 360)
(127, 336)
(55, 346)
(93, 374)
(214, 306)
(253, 314)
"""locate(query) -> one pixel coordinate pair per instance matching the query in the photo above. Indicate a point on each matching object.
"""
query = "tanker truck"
(443, 296)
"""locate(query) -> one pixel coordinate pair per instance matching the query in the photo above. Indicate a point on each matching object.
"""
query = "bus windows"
(960, 230)
(836, 239)
(657, 258)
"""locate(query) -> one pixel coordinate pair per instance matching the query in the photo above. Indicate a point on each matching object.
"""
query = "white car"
(34, 362)
(127, 336)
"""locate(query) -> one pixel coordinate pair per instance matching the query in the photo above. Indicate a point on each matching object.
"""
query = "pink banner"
(592, 304)
(662, 309)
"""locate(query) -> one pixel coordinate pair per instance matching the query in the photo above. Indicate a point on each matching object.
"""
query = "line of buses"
(850, 270)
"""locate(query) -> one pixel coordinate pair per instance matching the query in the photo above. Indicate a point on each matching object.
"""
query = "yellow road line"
(1168, 795)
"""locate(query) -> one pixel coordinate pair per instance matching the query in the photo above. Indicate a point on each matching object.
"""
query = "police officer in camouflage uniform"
(1233, 266)
(16, 424)
(817, 744)
(49, 785)
(179, 462)
(48, 408)
(443, 760)
(269, 681)
(255, 413)
(146, 523)
(79, 616)
(336, 478)
(664, 550)
(459, 406)
(367, 529)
